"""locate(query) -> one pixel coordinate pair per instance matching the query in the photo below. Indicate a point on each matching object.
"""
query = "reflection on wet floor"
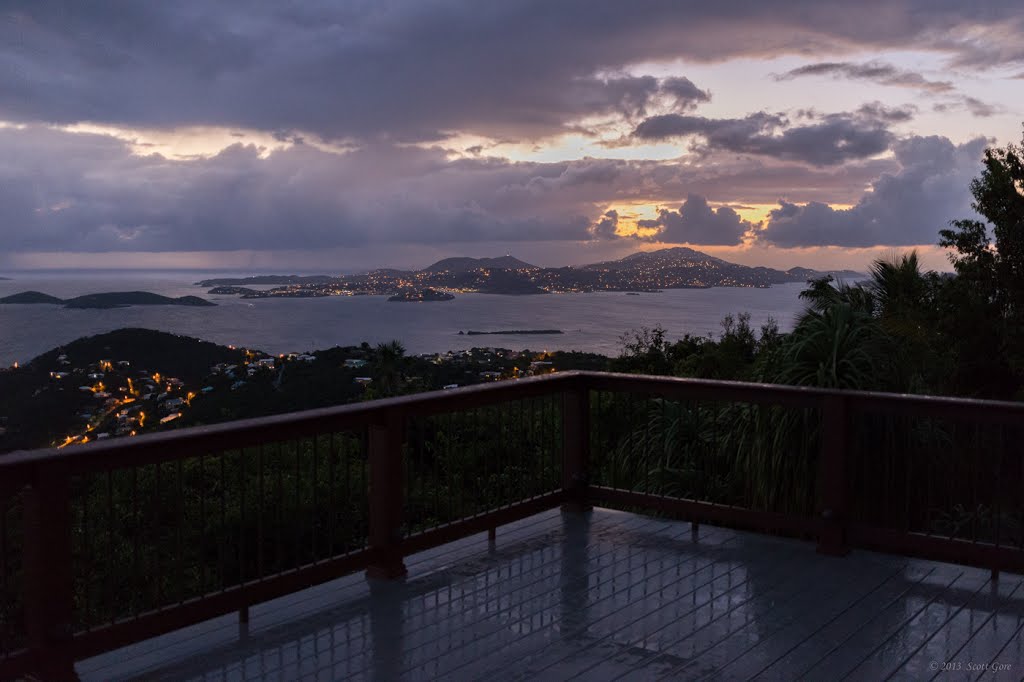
(611, 595)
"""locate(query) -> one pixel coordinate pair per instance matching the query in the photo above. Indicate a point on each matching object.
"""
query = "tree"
(989, 287)
(388, 363)
(644, 351)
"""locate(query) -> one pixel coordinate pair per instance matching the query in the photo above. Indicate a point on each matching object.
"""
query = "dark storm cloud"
(419, 70)
(904, 208)
(833, 139)
(82, 192)
(877, 72)
(605, 227)
(697, 223)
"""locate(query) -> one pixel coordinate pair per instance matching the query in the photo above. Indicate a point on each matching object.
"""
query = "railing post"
(49, 587)
(386, 495)
(576, 447)
(832, 483)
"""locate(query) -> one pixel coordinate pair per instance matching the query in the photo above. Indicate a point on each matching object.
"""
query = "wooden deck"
(611, 595)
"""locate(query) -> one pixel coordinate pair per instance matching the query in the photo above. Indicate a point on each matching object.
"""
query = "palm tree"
(388, 361)
(900, 289)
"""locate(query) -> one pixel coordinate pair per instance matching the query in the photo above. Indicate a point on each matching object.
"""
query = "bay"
(593, 322)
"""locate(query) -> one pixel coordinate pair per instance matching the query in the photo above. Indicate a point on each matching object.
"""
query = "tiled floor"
(611, 595)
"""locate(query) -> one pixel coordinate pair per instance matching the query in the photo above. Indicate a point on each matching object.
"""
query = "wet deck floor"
(610, 595)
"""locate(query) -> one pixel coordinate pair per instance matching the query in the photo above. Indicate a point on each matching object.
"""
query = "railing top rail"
(752, 392)
(246, 432)
(19, 466)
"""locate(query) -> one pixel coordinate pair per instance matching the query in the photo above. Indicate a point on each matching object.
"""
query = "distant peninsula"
(420, 296)
(514, 331)
(266, 279)
(232, 291)
(117, 299)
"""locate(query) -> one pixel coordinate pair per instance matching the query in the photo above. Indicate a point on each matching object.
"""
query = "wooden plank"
(936, 548)
(699, 511)
(155, 623)
(479, 524)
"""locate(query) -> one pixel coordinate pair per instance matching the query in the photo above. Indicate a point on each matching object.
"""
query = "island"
(472, 332)
(420, 296)
(288, 292)
(30, 298)
(117, 299)
(266, 279)
(232, 291)
(641, 272)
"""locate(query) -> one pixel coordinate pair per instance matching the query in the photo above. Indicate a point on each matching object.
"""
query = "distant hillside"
(171, 354)
(266, 279)
(31, 297)
(843, 275)
(681, 258)
(38, 408)
(117, 299)
(462, 264)
(674, 256)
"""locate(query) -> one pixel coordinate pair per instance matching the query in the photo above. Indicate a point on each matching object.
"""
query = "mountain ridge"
(467, 264)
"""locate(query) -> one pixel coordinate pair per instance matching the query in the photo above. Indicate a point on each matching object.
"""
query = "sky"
(338, 136)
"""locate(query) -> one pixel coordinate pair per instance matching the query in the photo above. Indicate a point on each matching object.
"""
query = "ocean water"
(592, 322)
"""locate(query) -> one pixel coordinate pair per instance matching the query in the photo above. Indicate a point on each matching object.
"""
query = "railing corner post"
(576, 447)
(49, 586)
(832, 483)
(386, 496)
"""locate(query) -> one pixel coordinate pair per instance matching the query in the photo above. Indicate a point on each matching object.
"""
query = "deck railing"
(110, 543)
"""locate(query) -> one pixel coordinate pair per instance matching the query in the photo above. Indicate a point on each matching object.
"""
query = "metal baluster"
(157, 575)
(179, 546)
(222, 550)
(87, 578)
(260, 526)
(202, 525)
(331, 506)
(315, 505)
(278, 551)
(241, 515)
(296, 527)
(136, 533)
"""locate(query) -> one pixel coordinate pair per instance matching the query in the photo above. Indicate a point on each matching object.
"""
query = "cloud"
(605, 227)
(684, 92)
(90, 193)
(877, 72)
(880, 112)
(697, 223)
(904, 208)
(420, 71)
(964, 103)
(833, 139)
